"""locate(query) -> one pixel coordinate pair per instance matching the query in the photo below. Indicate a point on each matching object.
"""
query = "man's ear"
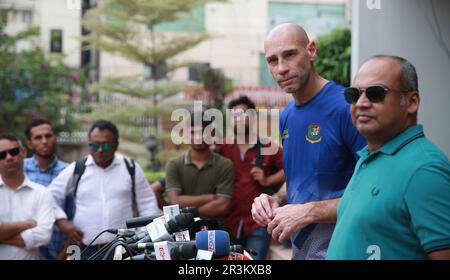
(311, 50)
(23, 152)
(413, 103)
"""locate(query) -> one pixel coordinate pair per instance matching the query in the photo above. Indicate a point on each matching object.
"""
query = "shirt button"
(364, 165)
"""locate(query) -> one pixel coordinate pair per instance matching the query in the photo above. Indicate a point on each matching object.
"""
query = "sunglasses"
(375, 94)
(106, 147)
(13, 152)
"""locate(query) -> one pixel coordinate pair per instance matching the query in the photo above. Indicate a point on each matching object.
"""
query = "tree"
(334, 57)
(130, 28)
(215, 83)
(32, 85)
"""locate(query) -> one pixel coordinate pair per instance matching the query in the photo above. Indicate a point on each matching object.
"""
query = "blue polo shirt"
(397, 204)
(320, 147)
(43, 177)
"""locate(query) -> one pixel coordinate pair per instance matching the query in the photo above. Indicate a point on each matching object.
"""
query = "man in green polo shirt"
(397, 204)
(200, 178)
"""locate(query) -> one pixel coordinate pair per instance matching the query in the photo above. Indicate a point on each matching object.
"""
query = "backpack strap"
(131, 167)
(259, 157)
(80, 167)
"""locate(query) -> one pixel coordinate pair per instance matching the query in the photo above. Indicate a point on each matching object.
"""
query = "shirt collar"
(188, 159)
(50, 166)
(25, 184)
(396, 143)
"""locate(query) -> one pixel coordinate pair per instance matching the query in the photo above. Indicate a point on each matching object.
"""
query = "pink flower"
(73, 96)
(74, 76)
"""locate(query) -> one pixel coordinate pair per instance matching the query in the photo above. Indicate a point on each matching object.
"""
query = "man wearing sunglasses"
(26, 208)
(104, 194)
(319, 147)
(397, 204)
(42, 168)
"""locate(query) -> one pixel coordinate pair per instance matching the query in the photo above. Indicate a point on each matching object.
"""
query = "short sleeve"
(226, 179)
(173, 181)
(427, 199)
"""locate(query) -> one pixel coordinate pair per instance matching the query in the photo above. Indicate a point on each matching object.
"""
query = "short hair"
(104, 124)
(408, 75)
(12, 138)
(34, 123)
(204, 122)
(242, 100)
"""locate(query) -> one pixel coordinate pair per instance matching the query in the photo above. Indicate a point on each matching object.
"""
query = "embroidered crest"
(313, 135)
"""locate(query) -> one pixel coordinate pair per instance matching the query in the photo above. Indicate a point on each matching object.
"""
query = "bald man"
(319, 147)
(397, 204)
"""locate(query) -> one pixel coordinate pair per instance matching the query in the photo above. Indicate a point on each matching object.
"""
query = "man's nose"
(8, 156)
(283, 68)
(363, 101)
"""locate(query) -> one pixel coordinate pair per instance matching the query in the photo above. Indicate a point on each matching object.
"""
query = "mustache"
(364, 113)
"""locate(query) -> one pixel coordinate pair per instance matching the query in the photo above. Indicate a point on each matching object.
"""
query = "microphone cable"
(95, 238)
(114, 246)
(104, 248)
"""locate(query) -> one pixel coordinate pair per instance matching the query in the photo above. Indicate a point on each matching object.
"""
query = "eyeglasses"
(375, 94)
(106, 147)
(13, 152)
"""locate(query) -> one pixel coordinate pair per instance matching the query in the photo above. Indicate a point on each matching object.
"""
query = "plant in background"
(33, 85)
(334, 56)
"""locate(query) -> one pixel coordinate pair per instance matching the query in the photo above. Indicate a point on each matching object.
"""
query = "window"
(317, 19)
(56, 43)
(26, 17)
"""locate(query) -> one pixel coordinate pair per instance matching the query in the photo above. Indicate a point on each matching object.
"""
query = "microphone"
(236, 249)
(216, 241)
(137, 237)
(185, 251)
(121, 231)
(159, 231)
(175, 251)
(143, 221)
(203, 224)
(141, 246)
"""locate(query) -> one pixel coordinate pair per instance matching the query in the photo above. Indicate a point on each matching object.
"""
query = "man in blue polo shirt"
(397, 204)
(319, 147)
(42, 168)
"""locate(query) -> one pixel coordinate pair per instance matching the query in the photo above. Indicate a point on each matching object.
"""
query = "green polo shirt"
(215, 177)
(397, 204)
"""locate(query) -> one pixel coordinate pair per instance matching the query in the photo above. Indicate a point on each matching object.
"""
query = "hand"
(289, 219)
(30, 223)
(258, 175)
(72, 233)
(263, 209)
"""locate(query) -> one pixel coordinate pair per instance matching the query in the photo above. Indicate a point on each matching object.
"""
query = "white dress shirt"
(103, 199)
(29, 201)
